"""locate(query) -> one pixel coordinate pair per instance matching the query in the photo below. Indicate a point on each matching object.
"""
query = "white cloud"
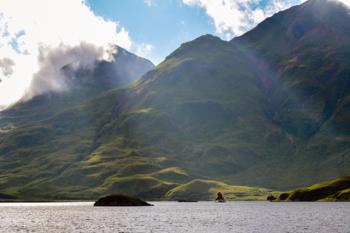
(29, 27)
(347, 2)
(149, 2)
(235, 17)
(143, 49)
(6, 66)
(51, 61)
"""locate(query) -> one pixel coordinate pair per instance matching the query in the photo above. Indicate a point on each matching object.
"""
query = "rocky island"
(120, 200)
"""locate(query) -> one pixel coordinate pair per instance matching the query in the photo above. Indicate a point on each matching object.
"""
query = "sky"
(38, 37)
(158, 27)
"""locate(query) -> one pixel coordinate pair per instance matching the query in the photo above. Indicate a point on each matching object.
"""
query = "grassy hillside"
(207, 190)
(336, 190)
(215, 115)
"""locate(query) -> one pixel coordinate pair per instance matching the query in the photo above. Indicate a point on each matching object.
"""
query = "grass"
(336, 190)
(207, 189)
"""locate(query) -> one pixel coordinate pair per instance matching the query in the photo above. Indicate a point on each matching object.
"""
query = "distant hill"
(336, 190)
(268, 109)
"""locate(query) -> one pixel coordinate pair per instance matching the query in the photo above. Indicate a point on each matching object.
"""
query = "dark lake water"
(172, 217)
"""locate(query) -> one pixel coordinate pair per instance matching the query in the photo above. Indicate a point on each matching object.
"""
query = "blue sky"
(164, 24)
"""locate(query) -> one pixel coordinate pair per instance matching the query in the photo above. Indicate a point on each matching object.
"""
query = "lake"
(172, 217)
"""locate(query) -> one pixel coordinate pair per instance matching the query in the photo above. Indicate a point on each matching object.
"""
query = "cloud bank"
(38, 37)
(235, 17)
(232, 18)
(6, 66)
(51, 61)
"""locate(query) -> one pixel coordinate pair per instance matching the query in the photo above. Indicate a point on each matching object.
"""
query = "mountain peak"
(325, 3)
(325, 16)
(202, 44)
(208, 37)
(308, 22)
(322, 7)
(203, 40)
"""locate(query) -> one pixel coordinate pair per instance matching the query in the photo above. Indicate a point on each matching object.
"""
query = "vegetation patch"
(336, 190)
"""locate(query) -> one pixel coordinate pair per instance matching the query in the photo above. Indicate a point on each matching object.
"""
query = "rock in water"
(185, 200)
(271, 198)
(220, 198)
(120, 200)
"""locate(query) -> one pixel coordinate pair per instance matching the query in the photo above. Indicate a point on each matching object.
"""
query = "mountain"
(306, 75)
(82, 85)
(267, 109)
(41, 137)
(306, 83)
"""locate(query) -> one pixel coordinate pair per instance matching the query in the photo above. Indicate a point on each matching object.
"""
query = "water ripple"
(172, 217)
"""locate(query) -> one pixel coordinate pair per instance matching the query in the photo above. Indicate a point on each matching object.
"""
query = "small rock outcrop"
(271, 198)
(120, 200)
(220, 197)
(186, 200)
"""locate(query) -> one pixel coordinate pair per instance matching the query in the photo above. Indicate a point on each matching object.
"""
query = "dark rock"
(283, 196)
(220, 197)
(7, 196)
(120, 200)
(187, 201)
(271, 198)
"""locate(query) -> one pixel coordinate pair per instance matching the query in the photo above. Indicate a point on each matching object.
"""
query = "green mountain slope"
(45, 136)
(208, 189)
(268, 109)
(306, 81)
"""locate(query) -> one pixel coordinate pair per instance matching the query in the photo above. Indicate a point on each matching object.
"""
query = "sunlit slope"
(336, 190)
(208, 189)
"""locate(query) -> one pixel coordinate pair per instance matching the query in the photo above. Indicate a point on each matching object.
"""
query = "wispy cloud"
(149, 2)
(143, 49)
(6, 66)
(235, 17)
(50, 77)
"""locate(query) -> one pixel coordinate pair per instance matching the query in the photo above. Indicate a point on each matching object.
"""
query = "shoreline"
(228, 201)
